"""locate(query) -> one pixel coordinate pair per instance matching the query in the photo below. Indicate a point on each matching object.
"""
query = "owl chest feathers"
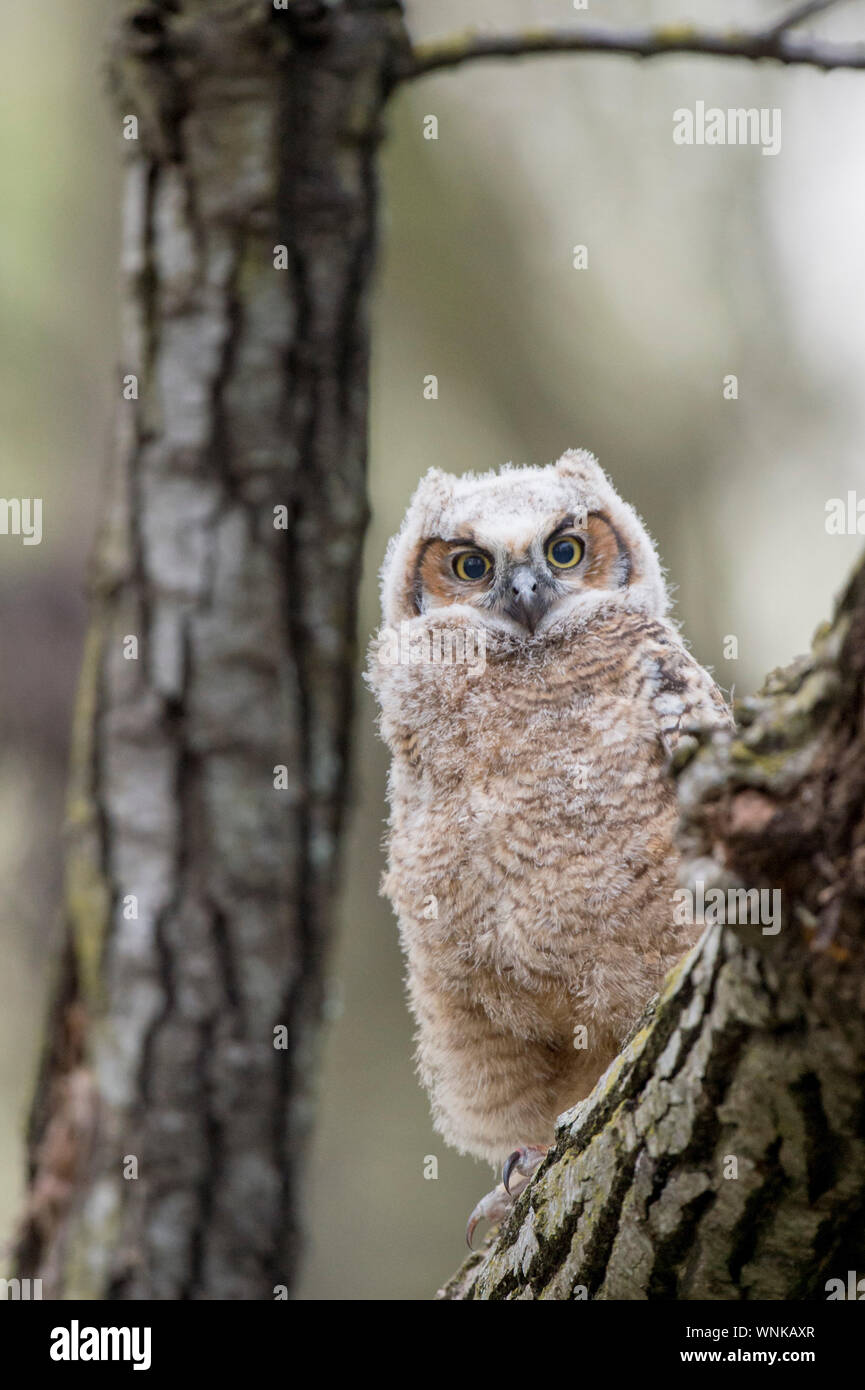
(531, 812)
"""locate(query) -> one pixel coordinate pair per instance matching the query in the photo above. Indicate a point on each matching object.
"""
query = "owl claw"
(493, 1207)
(524, 1161)
(496, 1205)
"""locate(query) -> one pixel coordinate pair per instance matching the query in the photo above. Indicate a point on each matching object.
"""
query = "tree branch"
(808, 10)
(775, 43)
(722, 1155)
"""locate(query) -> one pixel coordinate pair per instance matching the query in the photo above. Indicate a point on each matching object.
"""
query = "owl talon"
(494, 1207)
(523, 1161)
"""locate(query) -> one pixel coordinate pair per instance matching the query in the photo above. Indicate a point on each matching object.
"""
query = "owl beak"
(528, 600)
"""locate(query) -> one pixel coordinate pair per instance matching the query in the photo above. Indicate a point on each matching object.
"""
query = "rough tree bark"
(722, 1156)
(198, 891)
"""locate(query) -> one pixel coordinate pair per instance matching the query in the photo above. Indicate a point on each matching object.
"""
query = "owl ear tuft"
(432, 494)
(434, 485)
(578, 463)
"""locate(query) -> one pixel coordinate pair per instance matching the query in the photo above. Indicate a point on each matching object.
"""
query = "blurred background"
(702, 262)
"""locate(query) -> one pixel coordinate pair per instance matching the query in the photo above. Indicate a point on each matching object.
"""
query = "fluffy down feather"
(531, 860)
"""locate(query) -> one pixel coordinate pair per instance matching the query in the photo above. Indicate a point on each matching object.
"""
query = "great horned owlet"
(532, 688)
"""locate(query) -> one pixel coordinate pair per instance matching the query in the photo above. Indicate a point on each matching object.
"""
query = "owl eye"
(565, 552)
(471, 565)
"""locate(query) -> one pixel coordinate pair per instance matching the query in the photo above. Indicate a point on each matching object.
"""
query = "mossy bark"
(168, 1129)
(722, 1156)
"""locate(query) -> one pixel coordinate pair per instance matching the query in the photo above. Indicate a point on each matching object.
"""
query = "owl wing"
(682, 695)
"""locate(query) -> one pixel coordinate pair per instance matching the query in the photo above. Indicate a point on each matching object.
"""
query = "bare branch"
(808, 10)
(775, 44)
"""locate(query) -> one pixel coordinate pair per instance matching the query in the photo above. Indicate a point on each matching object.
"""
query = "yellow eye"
(471, 565)
(565, 552)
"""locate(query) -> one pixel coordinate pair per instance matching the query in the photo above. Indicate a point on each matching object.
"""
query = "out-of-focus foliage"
(59, 223)
(702, 262)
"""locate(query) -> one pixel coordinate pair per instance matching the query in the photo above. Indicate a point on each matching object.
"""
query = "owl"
(532, 687)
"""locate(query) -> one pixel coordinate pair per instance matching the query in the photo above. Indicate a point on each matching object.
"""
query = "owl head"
(524, 548)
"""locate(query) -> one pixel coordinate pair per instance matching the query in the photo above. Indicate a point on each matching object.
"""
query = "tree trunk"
(722, 1156)
(172, 1110)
